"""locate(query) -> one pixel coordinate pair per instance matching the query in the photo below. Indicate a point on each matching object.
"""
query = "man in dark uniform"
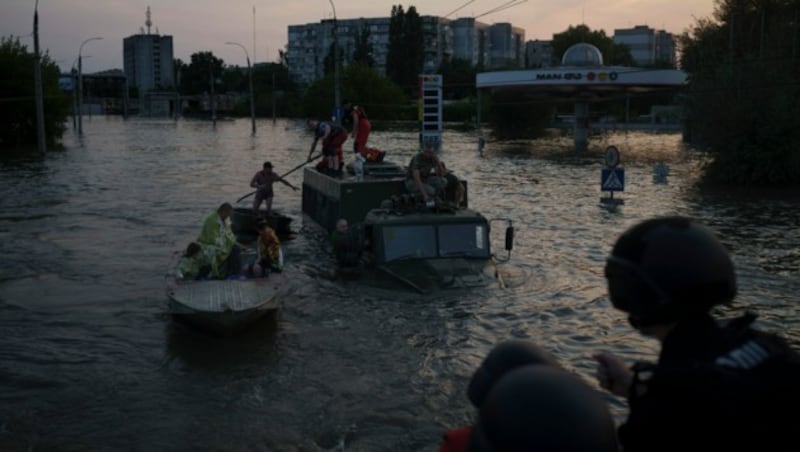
(426, 174)
(715, 387)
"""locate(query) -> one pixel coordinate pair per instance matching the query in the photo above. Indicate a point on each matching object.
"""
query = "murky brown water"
(90, 361)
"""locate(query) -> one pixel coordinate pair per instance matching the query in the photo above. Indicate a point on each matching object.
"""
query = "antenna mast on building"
(148, 22)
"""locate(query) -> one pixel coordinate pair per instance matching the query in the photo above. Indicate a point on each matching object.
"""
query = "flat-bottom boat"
(225, 307)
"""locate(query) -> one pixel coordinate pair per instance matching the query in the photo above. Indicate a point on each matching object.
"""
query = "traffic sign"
(612, 179)
(612, 157)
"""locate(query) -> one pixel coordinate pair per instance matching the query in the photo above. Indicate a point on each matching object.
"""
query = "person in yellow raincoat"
(193, 264)
(219, 243)
(270, 256)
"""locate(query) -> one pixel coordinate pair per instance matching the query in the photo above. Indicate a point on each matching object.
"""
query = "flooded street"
(90, 360)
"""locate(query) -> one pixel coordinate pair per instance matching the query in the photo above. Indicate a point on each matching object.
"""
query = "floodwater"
(89, 359)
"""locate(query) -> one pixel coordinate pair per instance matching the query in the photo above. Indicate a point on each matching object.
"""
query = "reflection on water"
(89, 359)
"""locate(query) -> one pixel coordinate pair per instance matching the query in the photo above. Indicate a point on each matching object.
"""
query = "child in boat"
(193, 264)
(270, 255)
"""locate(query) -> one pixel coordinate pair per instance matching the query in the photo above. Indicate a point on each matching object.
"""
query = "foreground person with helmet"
(528, 402)
(715, 387)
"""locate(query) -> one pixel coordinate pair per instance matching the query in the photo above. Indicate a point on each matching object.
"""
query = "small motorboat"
(244, 223)
(225, 307)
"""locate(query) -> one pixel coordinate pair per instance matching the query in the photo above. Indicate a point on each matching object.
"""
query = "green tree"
(17, 98)
(196, 77)
(458, 78)
(405, 56)
(286, 102)
(744, 91)
(362, 54)
(382, 99)
(613, 53)
(328, 62)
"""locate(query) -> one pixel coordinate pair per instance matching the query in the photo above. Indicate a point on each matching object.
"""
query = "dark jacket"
(715, 388)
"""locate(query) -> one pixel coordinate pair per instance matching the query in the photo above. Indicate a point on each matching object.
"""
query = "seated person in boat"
(270, 256)
(219, 243)
(262, 181)
(347, 244)
(193, 264)
(332, 137)
(426, 174)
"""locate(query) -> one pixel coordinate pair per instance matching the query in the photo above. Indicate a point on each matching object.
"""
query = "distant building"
(648, 46)
(149, 68)
(470, 41)
(105, 89)
(539, 54)
(148, 62)
(443, 39)
(309, 44)
(506, 45)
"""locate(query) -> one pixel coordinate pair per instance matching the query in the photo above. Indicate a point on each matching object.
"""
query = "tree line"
(743, 98)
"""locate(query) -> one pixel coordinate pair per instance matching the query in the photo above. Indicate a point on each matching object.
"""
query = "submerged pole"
(37, 76)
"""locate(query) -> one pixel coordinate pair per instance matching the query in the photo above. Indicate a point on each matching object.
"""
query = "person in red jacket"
(361, 126)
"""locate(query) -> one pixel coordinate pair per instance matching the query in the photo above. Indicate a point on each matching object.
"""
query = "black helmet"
(543, 408)
(504, 357)
(665, 269)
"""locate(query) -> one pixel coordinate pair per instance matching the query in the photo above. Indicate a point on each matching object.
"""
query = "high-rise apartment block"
(147, 60)
(497, 45)
(648, 46)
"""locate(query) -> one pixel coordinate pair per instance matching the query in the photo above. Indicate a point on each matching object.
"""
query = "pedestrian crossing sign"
(612, 179)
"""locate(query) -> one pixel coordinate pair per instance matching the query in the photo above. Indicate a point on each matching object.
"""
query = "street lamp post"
(74, 73)
(337, 99)
(80, 84)
(37, 76)
(252, 96)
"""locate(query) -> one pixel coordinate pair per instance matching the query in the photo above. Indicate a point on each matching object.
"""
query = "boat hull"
(225, 307)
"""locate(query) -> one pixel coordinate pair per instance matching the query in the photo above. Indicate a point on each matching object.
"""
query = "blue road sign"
(612, 179)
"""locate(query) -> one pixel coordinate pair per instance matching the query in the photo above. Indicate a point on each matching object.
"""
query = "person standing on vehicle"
(715, 387)
(332, 137)
(262, 181)
(361, 127)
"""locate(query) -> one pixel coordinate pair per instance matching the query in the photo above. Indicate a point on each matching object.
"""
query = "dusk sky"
(198, 25)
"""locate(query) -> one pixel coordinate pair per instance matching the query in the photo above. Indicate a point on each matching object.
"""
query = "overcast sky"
(198, 25)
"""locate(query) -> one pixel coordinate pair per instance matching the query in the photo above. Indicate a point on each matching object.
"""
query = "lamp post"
(336, 99)
(252, 96)
(80, 84)
(37, 75)
(74, 72)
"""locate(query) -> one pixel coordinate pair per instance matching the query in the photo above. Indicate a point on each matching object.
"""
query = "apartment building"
(647, 45)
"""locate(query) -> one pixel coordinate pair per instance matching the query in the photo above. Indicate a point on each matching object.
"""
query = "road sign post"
(612, 178)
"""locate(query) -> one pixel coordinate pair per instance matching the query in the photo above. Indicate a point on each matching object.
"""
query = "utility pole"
(80, 84)
(213, 100)
(273, 95)
(37, 76)
(337, 98)
(252, 95)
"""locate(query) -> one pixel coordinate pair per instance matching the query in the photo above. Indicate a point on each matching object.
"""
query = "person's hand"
(613, 374)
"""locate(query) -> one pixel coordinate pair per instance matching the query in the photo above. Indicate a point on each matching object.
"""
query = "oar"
(284, 175)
